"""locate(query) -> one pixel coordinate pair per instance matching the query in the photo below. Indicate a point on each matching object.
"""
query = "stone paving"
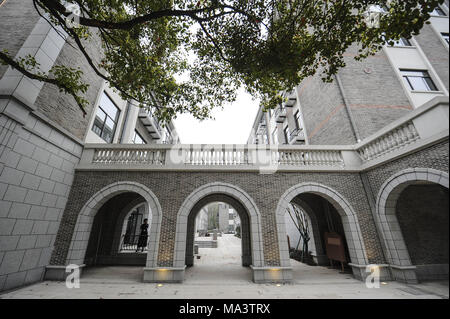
(218, 274)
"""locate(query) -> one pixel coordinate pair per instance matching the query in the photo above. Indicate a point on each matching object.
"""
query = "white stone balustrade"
(420, 128)
(393, 140)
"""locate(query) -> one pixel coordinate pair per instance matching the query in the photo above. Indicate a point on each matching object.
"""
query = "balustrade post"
(351, 159)
(87, 157)
(174, 156)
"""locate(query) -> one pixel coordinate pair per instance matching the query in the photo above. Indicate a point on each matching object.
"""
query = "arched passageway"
(334, 226)
(412, 212)
(99, 230)
(323, 222)
(115, 232)
(244, 226)
(252, 251)
(214, 252)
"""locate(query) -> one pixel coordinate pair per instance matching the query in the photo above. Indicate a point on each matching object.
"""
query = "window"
(287, 135)
(445, 37)
(137, 138)
(438, 12)
(106, 119)
(403, 42)
(418, 80)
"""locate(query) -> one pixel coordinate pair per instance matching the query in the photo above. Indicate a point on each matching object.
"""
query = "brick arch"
(228, 190)
(394, 243)
(357, 251)
(86, 216)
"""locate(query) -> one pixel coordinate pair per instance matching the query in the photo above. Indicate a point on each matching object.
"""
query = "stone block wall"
(41, 139)
(36, 171)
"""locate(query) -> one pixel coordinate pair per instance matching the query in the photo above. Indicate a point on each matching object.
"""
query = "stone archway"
(395, 246)
(355, 243)
(222, 189)
(80, 238)
(246, 246)
(176, 272)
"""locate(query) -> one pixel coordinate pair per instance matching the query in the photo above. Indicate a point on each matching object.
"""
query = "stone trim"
(349, 218)
(396, 251)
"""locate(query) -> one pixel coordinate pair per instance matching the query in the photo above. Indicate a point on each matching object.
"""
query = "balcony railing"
(393, 140)
(420, 128)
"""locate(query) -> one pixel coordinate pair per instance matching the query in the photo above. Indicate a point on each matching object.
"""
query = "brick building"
(366, 157)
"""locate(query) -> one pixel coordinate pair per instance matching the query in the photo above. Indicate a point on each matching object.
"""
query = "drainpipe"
(347, 108)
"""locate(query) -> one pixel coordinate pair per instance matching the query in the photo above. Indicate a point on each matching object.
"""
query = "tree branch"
(33, 76)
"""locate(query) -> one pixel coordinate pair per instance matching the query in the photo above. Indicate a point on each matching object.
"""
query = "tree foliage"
(192, 55)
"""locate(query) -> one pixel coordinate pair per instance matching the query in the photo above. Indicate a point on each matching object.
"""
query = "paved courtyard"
(218, 274)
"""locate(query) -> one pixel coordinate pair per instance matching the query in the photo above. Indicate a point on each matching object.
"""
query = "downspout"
(347, 108)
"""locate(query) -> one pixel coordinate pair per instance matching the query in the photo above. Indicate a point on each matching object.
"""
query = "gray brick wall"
(61, 108)
(433, 157)
(14, 13)
(325, 118)
(172, 188)
(374, 95)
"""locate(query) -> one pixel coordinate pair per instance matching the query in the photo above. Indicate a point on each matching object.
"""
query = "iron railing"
(129, 243)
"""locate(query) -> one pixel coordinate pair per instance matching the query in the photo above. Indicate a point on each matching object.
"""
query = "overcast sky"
(232, 125)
